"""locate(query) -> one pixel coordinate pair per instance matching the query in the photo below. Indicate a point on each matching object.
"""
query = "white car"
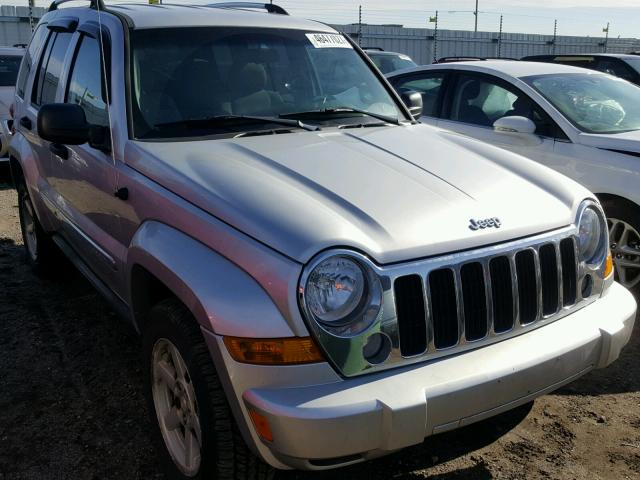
(10, 59)
(584, 124)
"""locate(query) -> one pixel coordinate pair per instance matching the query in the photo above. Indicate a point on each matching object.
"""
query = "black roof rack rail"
(95, 4)
(378, 49)
(269, 7)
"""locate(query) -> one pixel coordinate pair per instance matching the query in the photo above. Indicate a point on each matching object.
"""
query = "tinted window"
(9, 66)
(480, 101)
(36, 42)
(390, 63)
(44, 91)
(86, 85)
(428, 85)
(181, 77)
(616, 67)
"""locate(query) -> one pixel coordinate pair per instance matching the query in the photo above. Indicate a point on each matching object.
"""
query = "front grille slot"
(549, 278)
(474, 301)
(411, 312)
(444, 309)
(527, 292)
(569, 272)
(502, 291)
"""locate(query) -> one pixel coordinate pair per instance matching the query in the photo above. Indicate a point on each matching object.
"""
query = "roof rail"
(95, 4)
(269, 7)
(378, 49)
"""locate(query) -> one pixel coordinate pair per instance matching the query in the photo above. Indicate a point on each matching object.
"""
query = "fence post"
(435, 36)
(31, 5)
(555, 37)
(360, 26)
(500, 39)
(606, 38)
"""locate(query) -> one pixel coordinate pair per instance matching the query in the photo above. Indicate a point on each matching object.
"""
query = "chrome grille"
(470, 301)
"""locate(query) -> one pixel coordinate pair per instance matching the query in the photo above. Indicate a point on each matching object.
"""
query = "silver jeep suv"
(317, 279)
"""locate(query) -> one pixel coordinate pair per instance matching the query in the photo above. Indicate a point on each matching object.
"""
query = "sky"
(575, 17)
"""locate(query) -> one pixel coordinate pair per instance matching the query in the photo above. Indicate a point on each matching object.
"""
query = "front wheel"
(624, 241)
(194, 429)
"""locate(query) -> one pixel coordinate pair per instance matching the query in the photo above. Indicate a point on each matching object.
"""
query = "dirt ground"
(71, 402)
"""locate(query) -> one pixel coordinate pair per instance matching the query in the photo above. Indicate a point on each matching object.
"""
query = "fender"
(223, 298)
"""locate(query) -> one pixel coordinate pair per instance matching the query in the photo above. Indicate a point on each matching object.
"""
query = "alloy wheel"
(176, 407)
(625, 249)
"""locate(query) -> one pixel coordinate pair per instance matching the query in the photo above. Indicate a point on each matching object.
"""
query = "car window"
(44, 90)
(27, 62)
(428, 85)
(594, 103)
(9, 65)
(481, 101)
(86, 87)
(390, 63)
(246, 72)
(615, 67)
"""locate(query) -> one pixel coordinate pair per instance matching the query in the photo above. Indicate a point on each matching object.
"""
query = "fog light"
(587, 286)
(377, 348)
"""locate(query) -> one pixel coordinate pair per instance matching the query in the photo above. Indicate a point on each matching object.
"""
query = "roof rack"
(379, 49)
(269, 7)
(95, 4)
(470, 59)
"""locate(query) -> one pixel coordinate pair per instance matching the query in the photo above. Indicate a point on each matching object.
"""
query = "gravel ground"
(71, 402)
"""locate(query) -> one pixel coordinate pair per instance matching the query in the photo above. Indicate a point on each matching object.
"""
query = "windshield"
(184, 76)
(390, 63)
(9, 66)
(594, 103)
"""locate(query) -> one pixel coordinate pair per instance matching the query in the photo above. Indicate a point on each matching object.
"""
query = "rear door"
(431, 85)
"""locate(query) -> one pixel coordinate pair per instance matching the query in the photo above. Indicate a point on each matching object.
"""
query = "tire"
(623, 219)
(223, 455)
(40, 250)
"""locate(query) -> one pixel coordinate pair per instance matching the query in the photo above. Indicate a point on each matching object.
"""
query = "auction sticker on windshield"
(328, 40)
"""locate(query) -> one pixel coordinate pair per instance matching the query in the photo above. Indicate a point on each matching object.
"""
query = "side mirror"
(66, 124)
(413, 101)
(63, 123)
(514, 124)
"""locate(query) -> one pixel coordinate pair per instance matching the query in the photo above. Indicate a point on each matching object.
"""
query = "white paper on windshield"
(328, 40)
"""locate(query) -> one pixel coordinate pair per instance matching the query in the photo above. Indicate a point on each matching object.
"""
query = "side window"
(37, 41)
(86, 86)
(44, 90)
(480, 101)
(428, 85)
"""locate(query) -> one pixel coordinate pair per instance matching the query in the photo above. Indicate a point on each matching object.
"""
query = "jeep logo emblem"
(482, 224)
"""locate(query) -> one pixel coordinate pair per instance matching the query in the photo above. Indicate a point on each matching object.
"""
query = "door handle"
(26, 123)
(59, 150)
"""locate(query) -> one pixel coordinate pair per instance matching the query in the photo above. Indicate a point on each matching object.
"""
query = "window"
(247, 72)
(86, 86)
(616, 67)
(481, 101)
(44, 90)
(27, 62)
(388, 63)
(428, 85)
(9, 65)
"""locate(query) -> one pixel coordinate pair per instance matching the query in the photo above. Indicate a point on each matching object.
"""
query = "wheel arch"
(223, 298)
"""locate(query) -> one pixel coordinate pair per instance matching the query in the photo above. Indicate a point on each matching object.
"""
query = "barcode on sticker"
(328, 40)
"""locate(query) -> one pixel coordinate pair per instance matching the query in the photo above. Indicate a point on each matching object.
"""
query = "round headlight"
(591, 236)
(342, 295)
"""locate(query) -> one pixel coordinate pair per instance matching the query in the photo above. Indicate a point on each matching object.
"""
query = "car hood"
(623, 142)
(395, 193)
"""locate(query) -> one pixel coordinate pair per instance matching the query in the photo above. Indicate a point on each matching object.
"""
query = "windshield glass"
(390, 63)
(9, 66)
(181, 76)
(594, 103)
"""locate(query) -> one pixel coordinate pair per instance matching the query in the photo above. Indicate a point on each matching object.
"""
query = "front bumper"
(345, 421)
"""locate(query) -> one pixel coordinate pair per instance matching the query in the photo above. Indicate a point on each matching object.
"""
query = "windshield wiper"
(222, 119)
(339, 110)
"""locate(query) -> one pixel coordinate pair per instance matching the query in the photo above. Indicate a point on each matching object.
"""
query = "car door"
(431, 85)
(83, 177)
(475, 101)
